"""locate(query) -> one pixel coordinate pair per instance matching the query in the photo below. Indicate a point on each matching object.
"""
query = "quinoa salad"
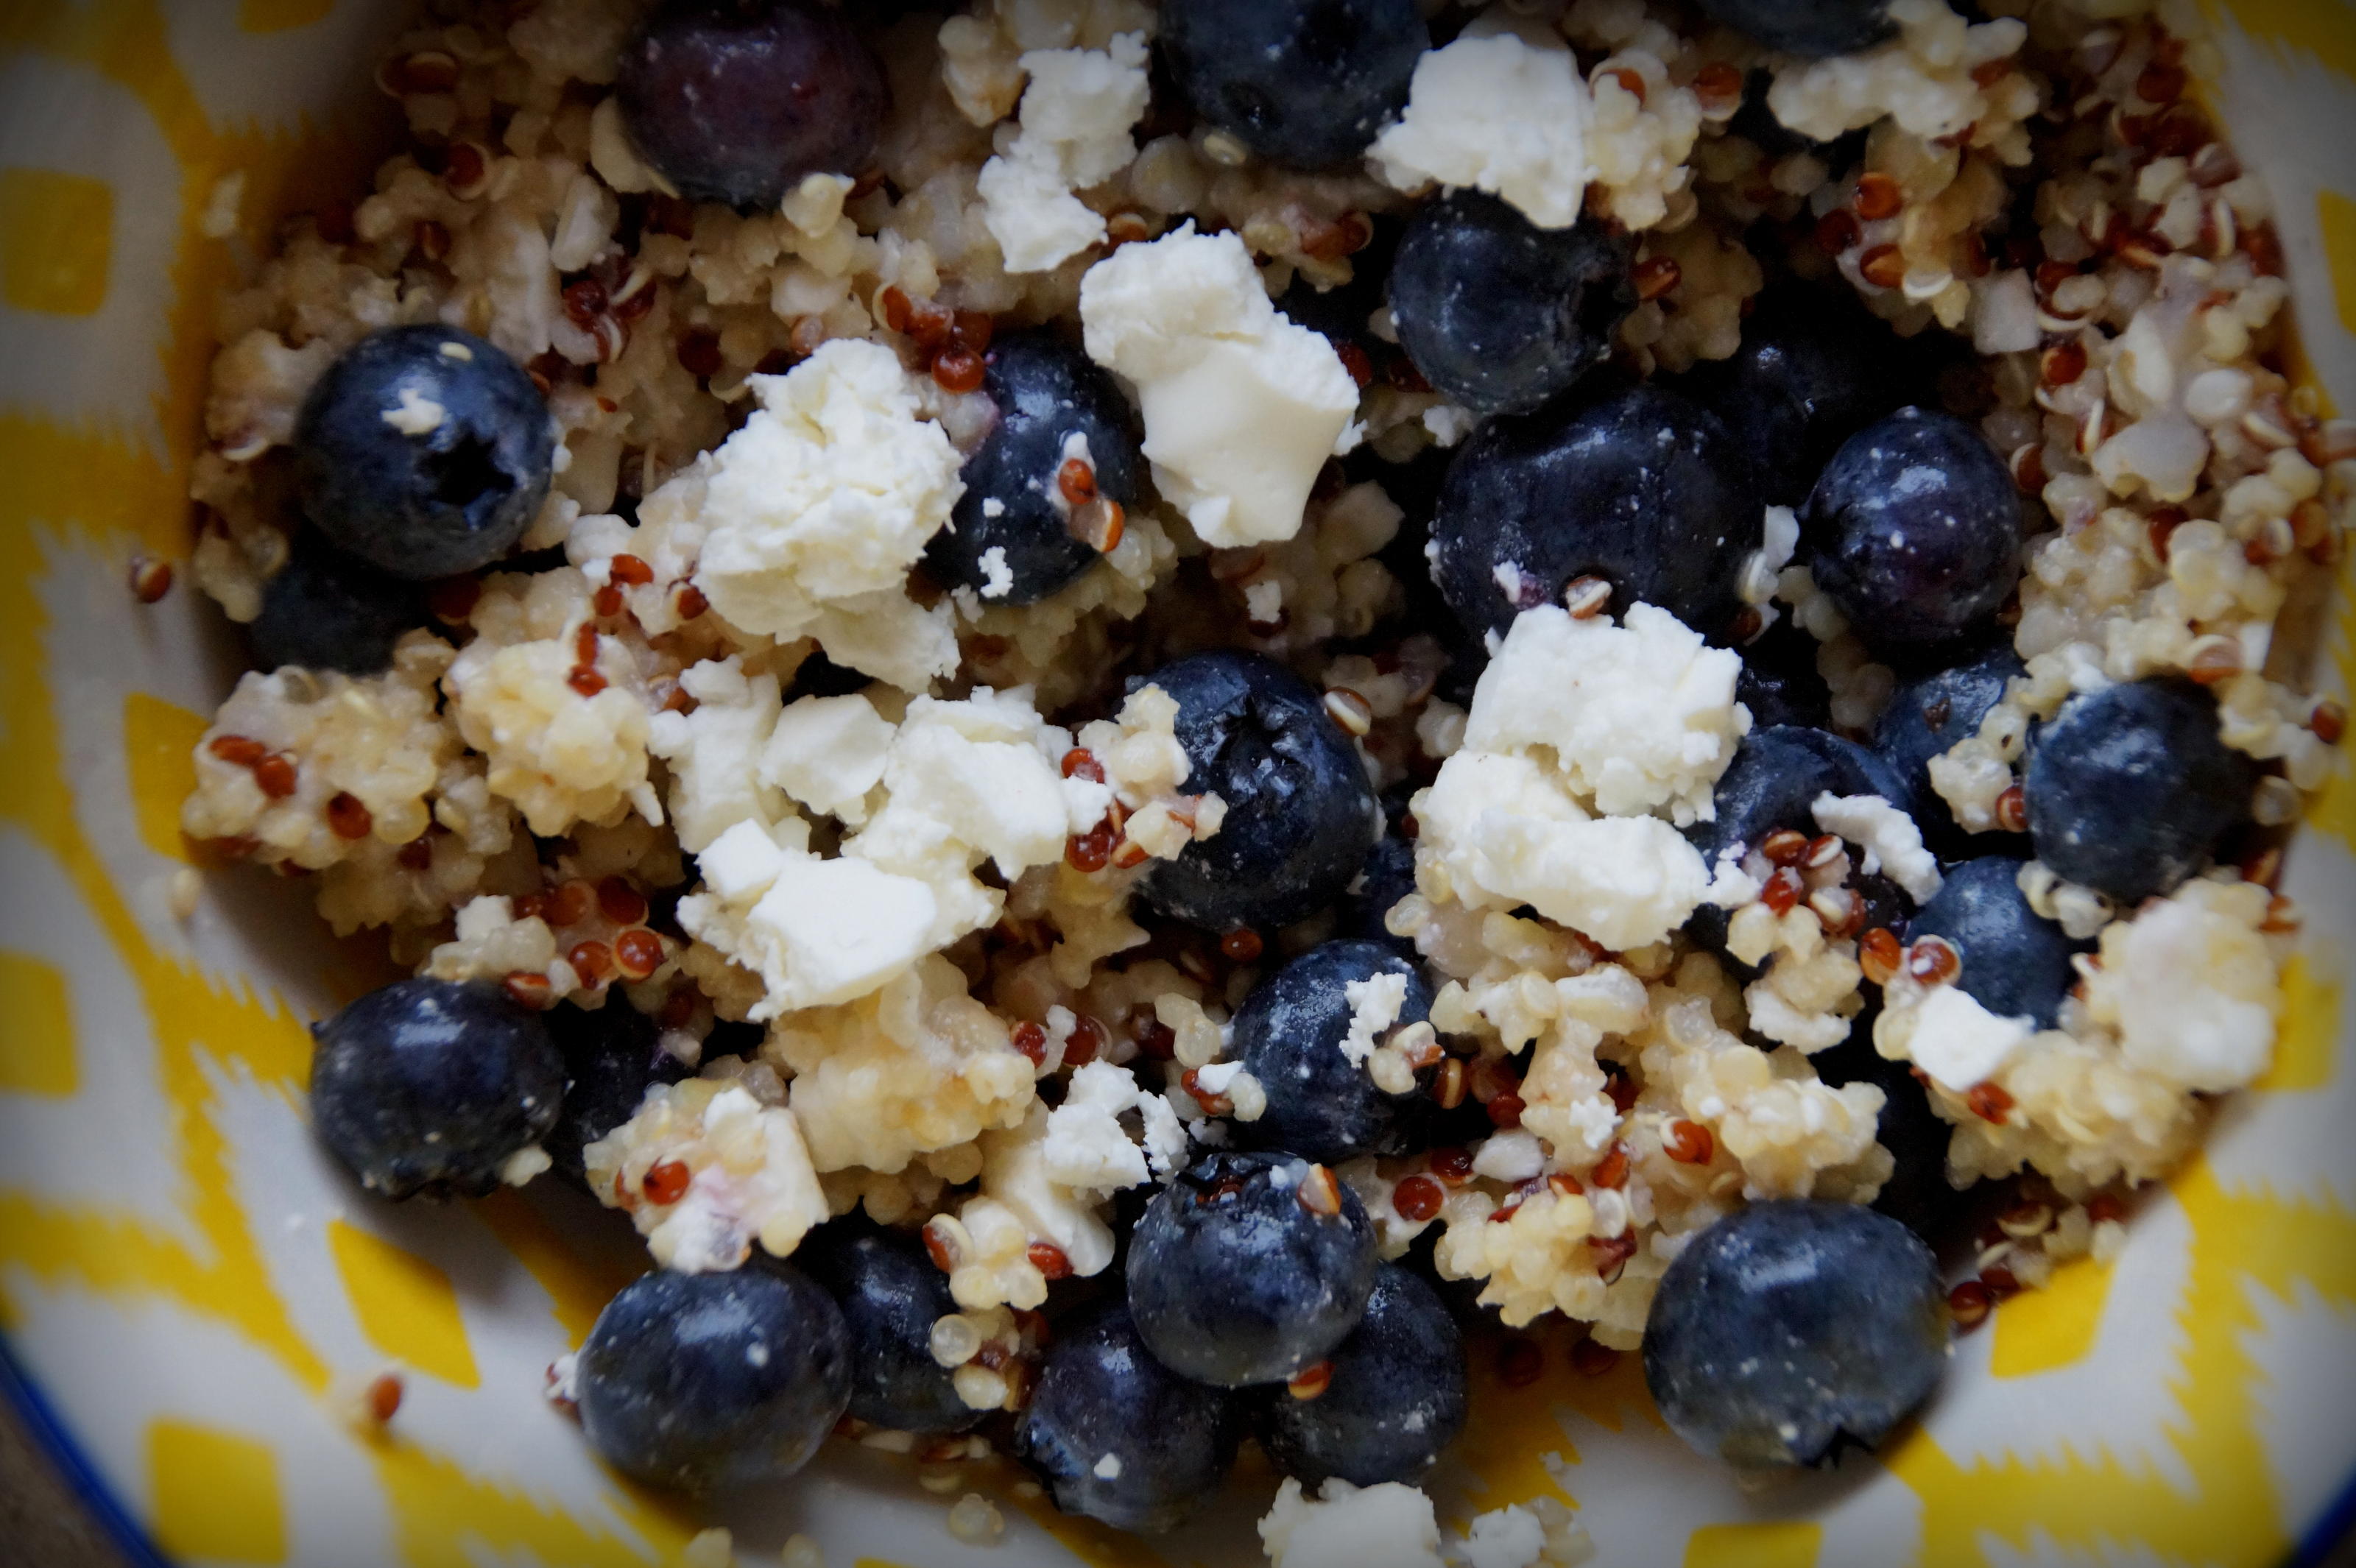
(1142, 721)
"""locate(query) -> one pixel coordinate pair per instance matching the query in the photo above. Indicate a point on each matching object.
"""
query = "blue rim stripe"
(82, 1477)
(2335, 1529)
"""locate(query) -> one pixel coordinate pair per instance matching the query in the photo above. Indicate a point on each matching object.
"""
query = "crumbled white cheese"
(1017, 1174)
(2191, 987)
(1107, 1468)
(1509, 1537)
(815, 510)
(997, 577)
(417, 414)
(1959, 1042)
(716, 752)
(1374, 1005)
(1242, 407)
(1076, 115)
(1509, 1157)
(1352, 1527)
(1086, 1148)
(1506, 833)
(827, 752)
(1892, 842)
(751, 1176)
(1497, 114)
(1640, 717)
(1165, 1136)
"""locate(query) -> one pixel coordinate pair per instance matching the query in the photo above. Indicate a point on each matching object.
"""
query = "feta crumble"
(1959, 1042)
(1375, 1003)
(1509, 1537)
(1242, 407)
(1352, 1527)
(1086, 1147)
(2190, 986)
(1499, 115)
(1892, 842)
(1074, 133)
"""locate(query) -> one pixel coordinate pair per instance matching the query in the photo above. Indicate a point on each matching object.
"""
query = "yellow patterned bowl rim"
(186, 1292)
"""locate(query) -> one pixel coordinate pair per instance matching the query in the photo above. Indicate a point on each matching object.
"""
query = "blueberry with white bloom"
(891, 1295)
(2016, 961)
(430, 1086)
(325, 610)
(1498, 313)
(1249, 1267)
(1914, 531)
(1011, 537)
(699, 1382)
(1289, 1035)
(1793, 1329)
(1627, 481)
(1116, 1436)
(1811, 27)
(1300, 813)
(1396, 1400)
(1386, 875)
(1928, 716)
(2130, 788)
(423, 451)
(612, 1056)
(1308, 84)
(739, 101)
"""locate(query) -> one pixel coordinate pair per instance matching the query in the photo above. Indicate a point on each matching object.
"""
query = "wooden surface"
(41, 1523)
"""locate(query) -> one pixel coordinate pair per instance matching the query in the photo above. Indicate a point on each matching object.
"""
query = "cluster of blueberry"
(1251, 1280)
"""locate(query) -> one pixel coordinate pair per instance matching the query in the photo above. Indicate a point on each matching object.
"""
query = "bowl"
(192, 1297)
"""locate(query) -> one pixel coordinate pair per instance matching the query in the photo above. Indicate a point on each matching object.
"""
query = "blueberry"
(452, 496)
(1048, 393)
(1631, 483)
(891, 1295)
(1233, 1278)
(429, 1085)
(1774, 782)
(1288, 1034)
(1793, 1329)
(1308, 84)
(1397, 1400)
(702, 1382)
(326, 611)
(612, 1056)
(1929, 716)
(2130, 788)
(1300, 814)
(1917, 1193)
(1119, 1437)
(739, 101)
(1779, 682)
(2016, 961)
(1810, 27)
(1813, 370)
(1501, 315)
(1913, 527)
(1386, 875)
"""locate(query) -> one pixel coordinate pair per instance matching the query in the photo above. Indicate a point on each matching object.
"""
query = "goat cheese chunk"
(1352, 1527)
(1497, 114)
(1892, 842)
(1959, 1042)
(1374, 1005)
(1074, 133)
(1086, 1147)
(1641, 717)
(1509, 1537)
(815, 510)
(2191, 987)
(1242, 407)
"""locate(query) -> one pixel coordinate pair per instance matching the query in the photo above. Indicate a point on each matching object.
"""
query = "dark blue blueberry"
(1300, 814)
(697, 1382)
(1631, 483)
(2130, 788)
(1790, 1329)
(1116, 1436)
(1397, 1400)
(1914, 529)
(1928, 716)
(1046, 392)
(2015, 960)
(429, 1085)
(1779, 682)
(326, 611)
(1386, 875)
(891, 1295)
(1499, 314)
(1810, 27)
(1287, 1035)
(1774, 782)
(447, 499)
(1308, 84)
(1235, 1279)
(1813, 370)
(612, 1056)
(739, 101)
(1917, 1193)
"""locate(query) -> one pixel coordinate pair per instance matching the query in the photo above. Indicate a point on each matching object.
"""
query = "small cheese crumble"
(1074, 133)
(1497, 114)
(1352, 1527)
(1086, 1147)
(1892, 842)
(1959, 1042)
(1509, 1537)
(1242, 407)
(750, 1172)
(2190, 987)
(997, 577)
(1107, 1468)
(417, 414)
(1375, 1003)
